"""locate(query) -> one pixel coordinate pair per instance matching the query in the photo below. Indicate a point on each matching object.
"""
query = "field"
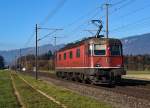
(143, 75)
(138, 72)
(33, 99)
(7, 97)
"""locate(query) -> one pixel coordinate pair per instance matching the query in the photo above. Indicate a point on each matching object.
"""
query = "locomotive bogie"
(95, 76)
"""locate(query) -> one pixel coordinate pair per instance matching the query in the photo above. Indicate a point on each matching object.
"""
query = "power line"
(119, 2)
(47, 35)
(120, 7)
(124, 5)
(50, 15)
(83, 16)
(136, 22)
(135, 28)
(53, 12)
(29, 39)
(84, 22)
(107, 5)
(134, 11)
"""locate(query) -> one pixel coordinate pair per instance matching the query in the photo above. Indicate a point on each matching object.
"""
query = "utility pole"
(20, 60)
(16, 63)
(55, 56)
(55, 43)
(37, 40)
(25, 61)
(107, 18)
(36, 51)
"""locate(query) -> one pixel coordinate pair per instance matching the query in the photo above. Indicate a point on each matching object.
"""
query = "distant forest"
(46, 62)
(2, 62)
(138, 62)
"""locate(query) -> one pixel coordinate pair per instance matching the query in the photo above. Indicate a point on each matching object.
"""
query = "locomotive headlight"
(118, 65)
(97, 65)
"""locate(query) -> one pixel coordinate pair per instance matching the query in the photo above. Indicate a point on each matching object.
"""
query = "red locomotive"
(93, 60)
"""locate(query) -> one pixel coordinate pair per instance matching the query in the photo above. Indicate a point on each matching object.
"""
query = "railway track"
(130, 93)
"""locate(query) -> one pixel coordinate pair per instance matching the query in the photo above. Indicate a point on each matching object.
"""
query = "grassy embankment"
(66, 97)
(138, 72)
(30, 97)
(143, 75)
(7, 97)
(47, 71)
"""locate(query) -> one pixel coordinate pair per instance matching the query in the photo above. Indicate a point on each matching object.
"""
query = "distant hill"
(10, 55)
(135, 45)
(131, 45)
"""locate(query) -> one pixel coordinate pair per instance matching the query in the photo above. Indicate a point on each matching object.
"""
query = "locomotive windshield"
(99, 49)
(115, 50)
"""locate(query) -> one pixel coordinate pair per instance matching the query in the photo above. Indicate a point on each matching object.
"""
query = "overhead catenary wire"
(53, 12)
(116, 9)
(136, 22)
(48, 17)
(93, 12)
(123, 5)
(29, 39)
(134, 11)
(83, 16)
(47, 35)
(87, 21)
(119, 2)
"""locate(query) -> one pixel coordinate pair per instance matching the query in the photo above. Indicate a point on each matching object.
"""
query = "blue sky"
(18, 19)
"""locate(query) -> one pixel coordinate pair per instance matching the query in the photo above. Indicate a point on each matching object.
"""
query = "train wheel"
(57, 74)
(118, 79)
(111, 80)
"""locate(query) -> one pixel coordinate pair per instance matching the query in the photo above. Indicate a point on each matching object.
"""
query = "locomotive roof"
(88, 40)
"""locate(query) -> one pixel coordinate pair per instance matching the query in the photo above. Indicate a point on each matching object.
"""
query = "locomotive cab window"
(115, 50)
(99, 49)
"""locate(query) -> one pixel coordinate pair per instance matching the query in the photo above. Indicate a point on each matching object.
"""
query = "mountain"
(11, 55)
(135, 45)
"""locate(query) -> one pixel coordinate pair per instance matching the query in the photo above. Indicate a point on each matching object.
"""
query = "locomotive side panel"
(72, 60)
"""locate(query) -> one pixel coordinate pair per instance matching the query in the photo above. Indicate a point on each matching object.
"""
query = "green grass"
(70, 99)
(48, 71)
(30, 97)
(138, 72)
(7, 97)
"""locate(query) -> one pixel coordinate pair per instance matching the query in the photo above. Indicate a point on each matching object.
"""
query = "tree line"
(2, 64)
(137, 62)
(46, 62)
